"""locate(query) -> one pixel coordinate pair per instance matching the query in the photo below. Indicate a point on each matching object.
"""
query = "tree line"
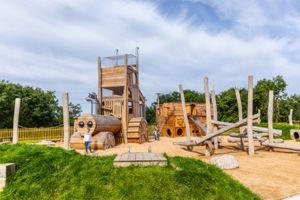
(38, 108)
(227, 104)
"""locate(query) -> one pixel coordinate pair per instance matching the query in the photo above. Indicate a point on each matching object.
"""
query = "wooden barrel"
(97, 123)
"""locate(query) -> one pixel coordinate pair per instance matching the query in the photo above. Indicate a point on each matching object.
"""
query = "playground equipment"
(120, 100)
(214, 127)
(170, 120)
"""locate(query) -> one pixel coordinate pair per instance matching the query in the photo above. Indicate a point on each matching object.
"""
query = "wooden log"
(281, 146)
(291, 117)
(65, 99)
(207, 107)
(270, 116)
(215, 117)
(217, 133)
(99, 86)
(186, 121)
(16, 120)
(240, 112)
(250, 116)
(125, 103)
(98, 123)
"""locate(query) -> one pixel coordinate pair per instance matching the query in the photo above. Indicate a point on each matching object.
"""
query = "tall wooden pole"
(270, 116)
(65, 98)
(186, 121)
(215, 116)
(207, 107)
(16, 120)
(125, 102)
(291, 117)
(99, 111)
(240, 113)
(250, 116)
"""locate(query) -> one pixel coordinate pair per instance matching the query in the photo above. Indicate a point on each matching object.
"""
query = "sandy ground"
(272, 175)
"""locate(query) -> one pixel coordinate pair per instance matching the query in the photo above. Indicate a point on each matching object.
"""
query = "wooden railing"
(33, 134)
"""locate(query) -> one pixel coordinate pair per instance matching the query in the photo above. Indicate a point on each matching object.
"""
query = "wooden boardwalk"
(140, 158)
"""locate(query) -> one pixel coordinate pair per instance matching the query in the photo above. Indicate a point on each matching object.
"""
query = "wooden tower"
(119, 94)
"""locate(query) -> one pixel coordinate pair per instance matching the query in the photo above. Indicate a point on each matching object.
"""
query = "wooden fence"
(33, 134)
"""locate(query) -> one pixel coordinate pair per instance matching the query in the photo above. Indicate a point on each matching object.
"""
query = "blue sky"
(54, 44)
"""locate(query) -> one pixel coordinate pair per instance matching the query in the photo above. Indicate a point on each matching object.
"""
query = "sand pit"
(272, 175)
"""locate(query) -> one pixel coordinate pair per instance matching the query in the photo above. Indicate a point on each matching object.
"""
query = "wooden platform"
(139, 158)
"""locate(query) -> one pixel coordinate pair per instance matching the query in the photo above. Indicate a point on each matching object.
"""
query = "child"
(87, 141)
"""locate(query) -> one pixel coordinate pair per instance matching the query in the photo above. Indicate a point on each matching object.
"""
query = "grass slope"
(52, 173)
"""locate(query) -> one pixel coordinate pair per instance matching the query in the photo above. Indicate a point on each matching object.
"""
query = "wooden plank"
(147, 157)
(282, 146)
(250, 116)
(131, 157)
(270, 116)
(139, 156)
(186, 121)
(118, 158)
(124, 157)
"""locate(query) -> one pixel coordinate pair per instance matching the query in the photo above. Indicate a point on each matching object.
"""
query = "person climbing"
(87, 141)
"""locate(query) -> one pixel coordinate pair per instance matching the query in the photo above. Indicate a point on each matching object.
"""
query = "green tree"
(190, 96)
(38, 108)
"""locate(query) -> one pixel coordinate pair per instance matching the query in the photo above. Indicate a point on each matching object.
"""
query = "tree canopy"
(38, 108)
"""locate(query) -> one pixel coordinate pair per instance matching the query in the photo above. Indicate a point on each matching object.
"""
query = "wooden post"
(240, 113)
(291, 117)
(250, 116)
(259, 119)
(99, 87)
(15, 137)
(270, 116)
(207, 107)
(125, 102)
(215, 117)
(65, 98)
(186, 121)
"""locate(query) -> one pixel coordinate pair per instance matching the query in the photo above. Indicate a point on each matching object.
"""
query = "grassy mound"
(52, 173)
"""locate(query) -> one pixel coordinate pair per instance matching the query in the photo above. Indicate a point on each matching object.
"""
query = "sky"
(54, 44)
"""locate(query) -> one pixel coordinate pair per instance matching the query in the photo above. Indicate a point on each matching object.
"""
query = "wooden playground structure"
(170, 120)
(121, 112)
(248, 133)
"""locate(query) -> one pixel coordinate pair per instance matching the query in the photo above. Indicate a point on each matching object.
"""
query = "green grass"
(284, 127)
(52, 173)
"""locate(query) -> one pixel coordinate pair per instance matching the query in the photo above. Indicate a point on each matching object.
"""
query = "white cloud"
(54, 45)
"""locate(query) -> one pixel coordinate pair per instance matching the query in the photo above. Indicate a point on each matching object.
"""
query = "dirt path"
(272, 175)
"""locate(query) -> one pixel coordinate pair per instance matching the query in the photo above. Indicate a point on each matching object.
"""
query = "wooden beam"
(15, 137)
(65, 99)
(207, 106)
(270, 116)
(240, 113)
(291, 117)
(215, 116)
(186, 121)
(217, 133)
(250, 116)
(99, 86)
(125, 102)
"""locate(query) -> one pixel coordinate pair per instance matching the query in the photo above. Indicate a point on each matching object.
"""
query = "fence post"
(270, 116)
(65, 99)
(16, 120)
